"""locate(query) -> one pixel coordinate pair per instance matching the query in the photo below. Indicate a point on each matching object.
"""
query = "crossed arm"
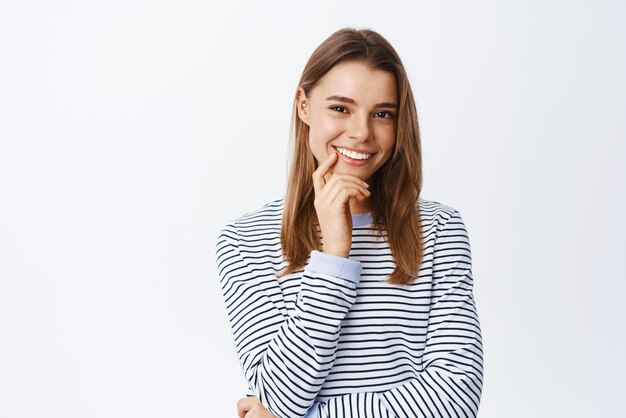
(285, 359)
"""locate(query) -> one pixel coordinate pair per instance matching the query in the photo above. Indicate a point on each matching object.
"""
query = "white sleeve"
(285, 359)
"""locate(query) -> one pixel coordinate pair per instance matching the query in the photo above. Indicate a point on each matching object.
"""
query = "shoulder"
(264, 221)
(433, 212)
(440, 220)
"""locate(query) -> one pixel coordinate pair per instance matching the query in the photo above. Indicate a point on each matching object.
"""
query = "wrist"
(335, 251)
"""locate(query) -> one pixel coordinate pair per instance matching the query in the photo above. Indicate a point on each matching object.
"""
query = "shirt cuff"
(334, 265)
(312, 412)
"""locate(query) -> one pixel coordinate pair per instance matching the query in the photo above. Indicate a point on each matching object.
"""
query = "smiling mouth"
(353, 155)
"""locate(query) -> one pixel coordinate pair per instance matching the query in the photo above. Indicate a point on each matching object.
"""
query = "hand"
(251, 407)
(332, 204)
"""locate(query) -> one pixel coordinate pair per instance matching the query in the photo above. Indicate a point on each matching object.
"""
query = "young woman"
(352, 296)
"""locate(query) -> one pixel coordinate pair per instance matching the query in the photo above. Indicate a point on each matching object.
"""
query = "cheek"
(318, 146)
(321, 132)
(391, 144)
(385, 139)
(326, 127)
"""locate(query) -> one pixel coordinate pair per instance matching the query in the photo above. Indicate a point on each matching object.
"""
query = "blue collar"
(361, 219)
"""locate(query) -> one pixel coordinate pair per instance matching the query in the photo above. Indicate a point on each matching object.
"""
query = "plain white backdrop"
(131, 131)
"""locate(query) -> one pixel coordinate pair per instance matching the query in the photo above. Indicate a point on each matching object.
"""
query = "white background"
(131, 131)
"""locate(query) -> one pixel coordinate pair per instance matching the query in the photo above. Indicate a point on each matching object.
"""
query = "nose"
(358, 128)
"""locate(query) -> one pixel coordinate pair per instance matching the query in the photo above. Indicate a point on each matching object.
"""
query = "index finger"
(318, 175)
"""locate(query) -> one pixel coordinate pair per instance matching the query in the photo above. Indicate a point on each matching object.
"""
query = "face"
(353, 107)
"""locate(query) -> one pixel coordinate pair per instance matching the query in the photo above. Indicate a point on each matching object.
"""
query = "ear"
(303, 112)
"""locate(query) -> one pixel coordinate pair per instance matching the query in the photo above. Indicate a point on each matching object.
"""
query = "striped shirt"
(335, 340)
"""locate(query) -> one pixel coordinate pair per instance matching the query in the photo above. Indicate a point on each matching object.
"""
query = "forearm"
(289, 373)
(286, 358)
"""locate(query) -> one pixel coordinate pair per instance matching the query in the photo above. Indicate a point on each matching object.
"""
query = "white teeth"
(352, 154)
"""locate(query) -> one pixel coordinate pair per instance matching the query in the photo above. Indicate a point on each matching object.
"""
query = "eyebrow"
(344, 99)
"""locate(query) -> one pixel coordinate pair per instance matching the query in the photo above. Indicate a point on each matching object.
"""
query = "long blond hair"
(395, 186)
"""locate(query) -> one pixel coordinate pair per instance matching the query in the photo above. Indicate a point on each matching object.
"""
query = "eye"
(389, 115)
(339, 107)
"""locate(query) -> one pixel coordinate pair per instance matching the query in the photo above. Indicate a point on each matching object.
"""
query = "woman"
(351, 296)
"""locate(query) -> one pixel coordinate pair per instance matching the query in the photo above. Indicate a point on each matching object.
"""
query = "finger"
(342, 196)
(348, 177)
(244, 405)
(318, 175)
(334, 193)
(329, 197)
(334, 186)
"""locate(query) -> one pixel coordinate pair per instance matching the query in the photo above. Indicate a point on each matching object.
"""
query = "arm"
(450, 384)
(285, 359)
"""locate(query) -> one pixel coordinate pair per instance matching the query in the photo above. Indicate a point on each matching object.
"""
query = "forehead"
(358, 81)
